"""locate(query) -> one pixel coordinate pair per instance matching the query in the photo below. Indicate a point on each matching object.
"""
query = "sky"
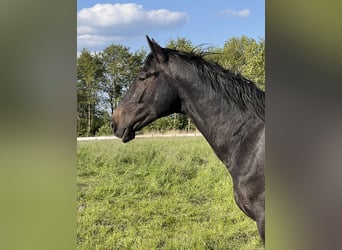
(101, 23)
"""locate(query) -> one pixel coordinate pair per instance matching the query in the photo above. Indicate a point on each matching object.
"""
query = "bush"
(104, 130)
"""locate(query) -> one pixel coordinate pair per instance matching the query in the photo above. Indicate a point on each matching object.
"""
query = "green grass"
(157, 194)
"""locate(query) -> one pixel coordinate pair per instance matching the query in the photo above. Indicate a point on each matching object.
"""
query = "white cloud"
(237, 13)
(96, 41)
(105, 23)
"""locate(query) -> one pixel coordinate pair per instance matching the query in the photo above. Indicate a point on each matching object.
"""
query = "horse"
(227, 108)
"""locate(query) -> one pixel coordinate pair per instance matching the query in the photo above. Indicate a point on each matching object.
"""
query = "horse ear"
(157, 51)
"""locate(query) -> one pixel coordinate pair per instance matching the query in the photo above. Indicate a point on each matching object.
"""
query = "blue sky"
(212, 22)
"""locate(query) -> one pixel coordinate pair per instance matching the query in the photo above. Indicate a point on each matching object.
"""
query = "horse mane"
(233, 86)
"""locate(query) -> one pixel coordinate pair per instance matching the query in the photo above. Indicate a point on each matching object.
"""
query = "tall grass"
(157, 194)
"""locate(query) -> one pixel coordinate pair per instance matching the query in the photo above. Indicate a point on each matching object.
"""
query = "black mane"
(233, 86)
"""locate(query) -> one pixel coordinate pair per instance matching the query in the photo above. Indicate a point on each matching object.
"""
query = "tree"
(89, 73)
(120, 69)
(245, 56)
(181, 43)
(255, 67)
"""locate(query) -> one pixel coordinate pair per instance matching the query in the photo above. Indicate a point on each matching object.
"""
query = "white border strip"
(100, 138)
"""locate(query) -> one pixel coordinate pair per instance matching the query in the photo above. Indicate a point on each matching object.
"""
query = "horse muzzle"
(126, 134)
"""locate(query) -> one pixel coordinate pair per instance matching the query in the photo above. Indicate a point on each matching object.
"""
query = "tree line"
(103, 78)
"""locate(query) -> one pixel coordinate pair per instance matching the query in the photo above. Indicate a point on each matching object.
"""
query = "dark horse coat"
(227, 108)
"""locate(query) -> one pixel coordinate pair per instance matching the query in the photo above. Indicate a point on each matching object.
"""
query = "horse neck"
(221, 122)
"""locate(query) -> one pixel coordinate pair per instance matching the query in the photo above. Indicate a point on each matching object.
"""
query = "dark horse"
(228, 109)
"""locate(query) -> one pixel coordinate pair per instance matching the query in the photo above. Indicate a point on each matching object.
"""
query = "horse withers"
(227, 108)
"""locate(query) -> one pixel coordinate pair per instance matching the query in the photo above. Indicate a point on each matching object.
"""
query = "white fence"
(95, 138)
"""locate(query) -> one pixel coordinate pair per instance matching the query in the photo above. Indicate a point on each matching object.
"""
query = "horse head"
(149, 97)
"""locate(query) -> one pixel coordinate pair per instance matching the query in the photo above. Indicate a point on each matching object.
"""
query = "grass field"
(161, 193)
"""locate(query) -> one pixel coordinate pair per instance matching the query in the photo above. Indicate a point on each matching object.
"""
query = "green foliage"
(120, 68)
(102, 80)
(102, 124)
(246, 56)
(171, 122)
(105, 129)
(180, 44)
(157, 194)
(89, 74)
(161, 125)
